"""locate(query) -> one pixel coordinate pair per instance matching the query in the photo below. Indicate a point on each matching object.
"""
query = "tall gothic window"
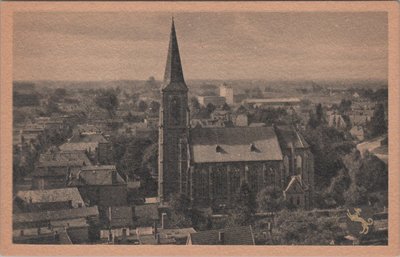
(269, 174)
(175, 111)
(220, 182)
(299, 162)
(286, 165)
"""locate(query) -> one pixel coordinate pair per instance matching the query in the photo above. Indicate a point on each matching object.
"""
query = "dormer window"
(253, 148)
(218, 149)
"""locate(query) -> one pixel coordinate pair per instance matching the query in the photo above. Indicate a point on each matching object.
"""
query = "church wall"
(216, 184)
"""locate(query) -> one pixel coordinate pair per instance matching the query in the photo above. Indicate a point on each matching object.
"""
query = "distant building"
(96, 146)
(214, 100)
(336, 121)
(228, 236)
(242, 120)
(87, 129)
(376, 146)
(285, 103)
(226, 92)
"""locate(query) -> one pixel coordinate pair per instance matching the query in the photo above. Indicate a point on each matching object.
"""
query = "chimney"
(109, 216)
(221, 237)
(158, 239)
(155, 230)
(163, 215)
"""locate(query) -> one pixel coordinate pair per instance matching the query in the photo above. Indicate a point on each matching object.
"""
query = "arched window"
(299, 162)
(286, 165)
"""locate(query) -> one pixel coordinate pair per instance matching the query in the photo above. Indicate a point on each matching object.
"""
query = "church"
(209, 165)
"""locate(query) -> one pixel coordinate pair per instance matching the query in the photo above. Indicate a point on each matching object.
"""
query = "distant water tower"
(227, 92)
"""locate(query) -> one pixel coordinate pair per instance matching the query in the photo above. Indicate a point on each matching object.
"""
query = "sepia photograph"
(189, 126)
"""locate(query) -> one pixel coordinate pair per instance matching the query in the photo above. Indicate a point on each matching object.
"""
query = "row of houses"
(62, 216)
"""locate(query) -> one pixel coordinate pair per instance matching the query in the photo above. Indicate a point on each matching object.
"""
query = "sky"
(225, 46)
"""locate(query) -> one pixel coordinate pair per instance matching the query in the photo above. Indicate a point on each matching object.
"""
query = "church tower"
(174, 124)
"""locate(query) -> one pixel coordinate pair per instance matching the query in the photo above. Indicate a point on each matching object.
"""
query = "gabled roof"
(173, 76)
(99, 175)
(63, 158)
(231, 236)
(179, 233)
(295, 185)
(289, 136)
(50, 195)
(55, 215)
(234, 144)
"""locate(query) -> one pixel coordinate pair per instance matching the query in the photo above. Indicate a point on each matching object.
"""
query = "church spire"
(173, 70)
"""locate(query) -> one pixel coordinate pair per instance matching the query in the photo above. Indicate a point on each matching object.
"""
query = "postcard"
(200, 128)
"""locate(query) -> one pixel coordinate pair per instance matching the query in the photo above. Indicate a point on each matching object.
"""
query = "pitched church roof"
(234, 144)
(288, 136)
(173, 76)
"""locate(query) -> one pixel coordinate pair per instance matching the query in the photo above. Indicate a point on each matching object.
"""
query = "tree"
(210, 108)
(345, 105)
(300, 228)
(142, 106)
(319, 114)
(154, 107)
(378, 124)
(151, 83)
(179, 215)
(194, 105)
(108, 100)
(270, 199)
(244, 207)
(226, 107)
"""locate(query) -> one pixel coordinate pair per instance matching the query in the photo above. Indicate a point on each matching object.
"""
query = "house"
(87, 129)
(357, 132)
(100, 185)
(49, 199)
(178, 235)
(54, 227)
(227, 92)
(54, 166)
(221, 115)
(242, 235)
(160, 236)
(241, 120)
(336, 121)
(117, 224)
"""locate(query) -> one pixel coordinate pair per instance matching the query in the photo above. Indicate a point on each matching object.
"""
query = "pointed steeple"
(173, 76)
